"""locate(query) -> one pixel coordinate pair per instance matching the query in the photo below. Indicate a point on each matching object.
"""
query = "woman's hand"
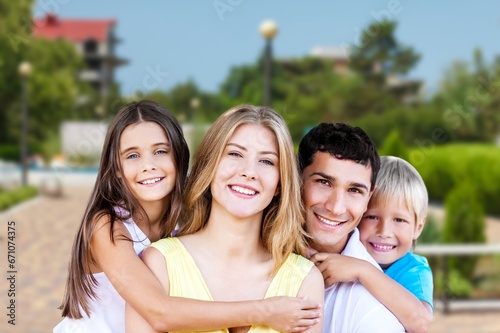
(290, 314)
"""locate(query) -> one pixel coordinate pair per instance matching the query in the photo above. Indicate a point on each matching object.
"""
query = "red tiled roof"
(75, 30)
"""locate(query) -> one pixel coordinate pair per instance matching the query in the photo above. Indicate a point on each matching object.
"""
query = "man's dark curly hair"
(342, 141)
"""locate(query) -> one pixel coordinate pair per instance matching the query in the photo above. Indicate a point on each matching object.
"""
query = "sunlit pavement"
(45, 227)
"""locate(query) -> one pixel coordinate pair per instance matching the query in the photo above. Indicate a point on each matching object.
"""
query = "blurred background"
(422, 78)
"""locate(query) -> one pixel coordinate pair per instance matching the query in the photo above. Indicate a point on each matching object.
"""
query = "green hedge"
(10, 152)
(444, 167)
(464, 223)
(11, 198)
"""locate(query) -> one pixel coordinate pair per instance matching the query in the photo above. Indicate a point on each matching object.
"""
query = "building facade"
(94, 39)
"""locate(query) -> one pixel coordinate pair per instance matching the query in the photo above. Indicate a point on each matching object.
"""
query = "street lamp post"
(25, 71)
(194, 104)
(268, 30)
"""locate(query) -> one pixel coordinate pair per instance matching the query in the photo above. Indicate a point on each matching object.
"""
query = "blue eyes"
(375, 217)
(132, 156)
(268, 162)
(265, 161)
(136, 155)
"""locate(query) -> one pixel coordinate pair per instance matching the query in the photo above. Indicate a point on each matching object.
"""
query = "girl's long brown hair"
(111, 192)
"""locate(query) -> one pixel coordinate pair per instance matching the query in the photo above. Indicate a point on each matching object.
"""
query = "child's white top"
(349, 307)
(107, 313)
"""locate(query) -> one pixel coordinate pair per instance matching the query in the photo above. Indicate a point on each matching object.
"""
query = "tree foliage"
(305, 91)
(188, 102)
(15, 31)
(380, 54)
(470, 100)
(52, 87)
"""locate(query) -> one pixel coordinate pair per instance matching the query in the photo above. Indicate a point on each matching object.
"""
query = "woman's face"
(247, 175)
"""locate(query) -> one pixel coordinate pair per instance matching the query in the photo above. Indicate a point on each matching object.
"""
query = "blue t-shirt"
(414, 273)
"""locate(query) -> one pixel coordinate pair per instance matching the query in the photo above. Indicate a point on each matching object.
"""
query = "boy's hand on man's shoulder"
(338, 268)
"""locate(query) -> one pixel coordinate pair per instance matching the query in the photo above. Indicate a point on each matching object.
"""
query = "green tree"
(15, 34)
(380, 54)
(305, 91)
(464, 224)
(470, 99)
(188, 103)
(52, 86)
(52, 89)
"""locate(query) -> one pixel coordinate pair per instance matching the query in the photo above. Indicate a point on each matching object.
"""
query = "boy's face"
(336, 194)
(387, 231)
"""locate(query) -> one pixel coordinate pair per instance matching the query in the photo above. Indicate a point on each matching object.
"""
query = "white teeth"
(150, 181)
(383, 247)
(322, 219)
(242, 190)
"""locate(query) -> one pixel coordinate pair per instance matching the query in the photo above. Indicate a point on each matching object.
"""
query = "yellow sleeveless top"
(186, 279)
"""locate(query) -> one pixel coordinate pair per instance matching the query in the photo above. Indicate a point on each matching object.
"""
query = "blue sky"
(201, 40)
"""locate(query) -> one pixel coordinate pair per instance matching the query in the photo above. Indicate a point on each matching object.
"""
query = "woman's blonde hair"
(282, 224)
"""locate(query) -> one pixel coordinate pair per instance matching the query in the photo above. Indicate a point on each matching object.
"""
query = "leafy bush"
(456, 286)
(10, 152)
(394, 146)
(464, 223)
(431, 234)
(11, 198)
(444, 167)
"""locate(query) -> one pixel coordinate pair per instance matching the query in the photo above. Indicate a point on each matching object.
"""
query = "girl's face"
(387, 231)
(147, 162)
(247, 176)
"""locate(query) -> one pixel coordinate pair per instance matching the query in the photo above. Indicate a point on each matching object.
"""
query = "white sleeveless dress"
(107, 314)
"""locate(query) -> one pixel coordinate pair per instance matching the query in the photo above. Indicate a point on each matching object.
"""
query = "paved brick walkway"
(45, 228)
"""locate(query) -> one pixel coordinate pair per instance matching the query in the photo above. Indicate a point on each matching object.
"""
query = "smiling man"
(339, 165)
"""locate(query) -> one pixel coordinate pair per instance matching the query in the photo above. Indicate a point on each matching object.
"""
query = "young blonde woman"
(242, 221)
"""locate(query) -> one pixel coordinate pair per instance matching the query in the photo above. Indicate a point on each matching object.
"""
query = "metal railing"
(449, 250)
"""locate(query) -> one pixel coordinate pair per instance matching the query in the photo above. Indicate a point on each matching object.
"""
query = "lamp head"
(268, 29)
(25, 69)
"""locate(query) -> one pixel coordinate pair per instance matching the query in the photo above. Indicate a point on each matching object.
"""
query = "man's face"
(336, 194)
